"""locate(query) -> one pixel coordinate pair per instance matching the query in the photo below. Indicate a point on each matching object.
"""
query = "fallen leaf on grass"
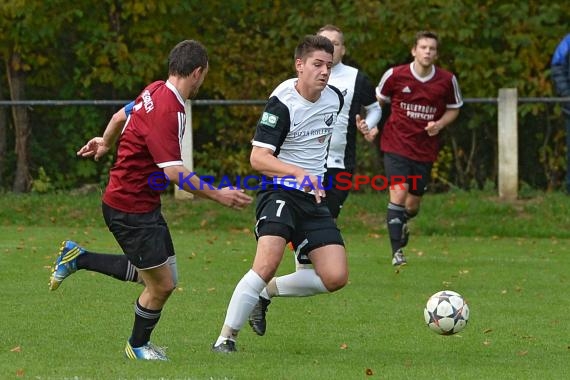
(20, 373)
(522, 353)
(343, 346)
(369, 372)
(16, 349)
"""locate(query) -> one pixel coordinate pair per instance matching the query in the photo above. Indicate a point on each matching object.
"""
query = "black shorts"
(298, 218)
(335, 196)
(401, 170)
(144, 238)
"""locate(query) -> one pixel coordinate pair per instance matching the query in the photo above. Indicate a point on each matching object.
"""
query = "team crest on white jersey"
(329, 119)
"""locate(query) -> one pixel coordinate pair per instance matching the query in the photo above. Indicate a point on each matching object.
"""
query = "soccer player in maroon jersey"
(148, 158)
(424, 99)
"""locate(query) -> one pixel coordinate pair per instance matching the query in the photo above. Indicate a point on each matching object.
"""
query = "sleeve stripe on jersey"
(263, 145)
(383, 80)
(457, 93)
(181, 128)
(163, 165)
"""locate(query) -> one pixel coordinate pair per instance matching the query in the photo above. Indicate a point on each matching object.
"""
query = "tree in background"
(27, 47)
(109, 49)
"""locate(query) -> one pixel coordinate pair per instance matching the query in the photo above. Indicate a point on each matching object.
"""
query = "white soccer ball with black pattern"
(446, 312)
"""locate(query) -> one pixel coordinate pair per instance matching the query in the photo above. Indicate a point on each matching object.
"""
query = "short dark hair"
(313, 43)
(426, 34)
(186, 57)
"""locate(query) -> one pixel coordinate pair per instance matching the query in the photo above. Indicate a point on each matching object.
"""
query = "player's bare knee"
(169, 288)
(335, 281)
(163, 290)
(265, 269)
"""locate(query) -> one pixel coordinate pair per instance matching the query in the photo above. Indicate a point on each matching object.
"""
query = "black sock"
(394, 219)
(116, 266)
(145, 321)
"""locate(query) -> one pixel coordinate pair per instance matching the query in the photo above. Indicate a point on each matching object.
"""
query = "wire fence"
(472, 156)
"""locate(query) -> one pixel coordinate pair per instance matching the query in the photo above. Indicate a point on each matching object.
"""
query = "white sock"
(244, 299)
(302, 283)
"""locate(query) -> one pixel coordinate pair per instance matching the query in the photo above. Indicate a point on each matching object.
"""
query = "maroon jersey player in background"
(424, 99)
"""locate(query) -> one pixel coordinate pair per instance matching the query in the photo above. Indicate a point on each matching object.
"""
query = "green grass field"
(510, 261)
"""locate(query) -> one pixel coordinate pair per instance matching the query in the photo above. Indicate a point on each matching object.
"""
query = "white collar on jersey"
(175, 91)
(418, 77)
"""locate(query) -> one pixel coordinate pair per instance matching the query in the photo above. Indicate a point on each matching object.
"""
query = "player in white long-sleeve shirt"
(359, 95)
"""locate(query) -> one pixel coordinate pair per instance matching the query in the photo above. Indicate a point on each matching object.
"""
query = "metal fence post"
(187, 151)
(508, 143)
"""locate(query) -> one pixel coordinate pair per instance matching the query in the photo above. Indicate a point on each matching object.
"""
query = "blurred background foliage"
(110, 49)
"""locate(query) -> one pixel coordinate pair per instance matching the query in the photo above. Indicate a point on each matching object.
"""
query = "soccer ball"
(446, 312)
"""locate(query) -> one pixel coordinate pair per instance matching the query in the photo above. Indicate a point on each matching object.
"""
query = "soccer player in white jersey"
(358, 94)
(290, 148)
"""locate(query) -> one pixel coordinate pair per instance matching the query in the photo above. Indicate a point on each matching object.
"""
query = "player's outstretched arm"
(93, 148)
(98, 146)
(230, 197)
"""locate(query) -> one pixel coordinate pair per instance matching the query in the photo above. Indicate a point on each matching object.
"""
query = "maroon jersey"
(414, 102)
(150, 141)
